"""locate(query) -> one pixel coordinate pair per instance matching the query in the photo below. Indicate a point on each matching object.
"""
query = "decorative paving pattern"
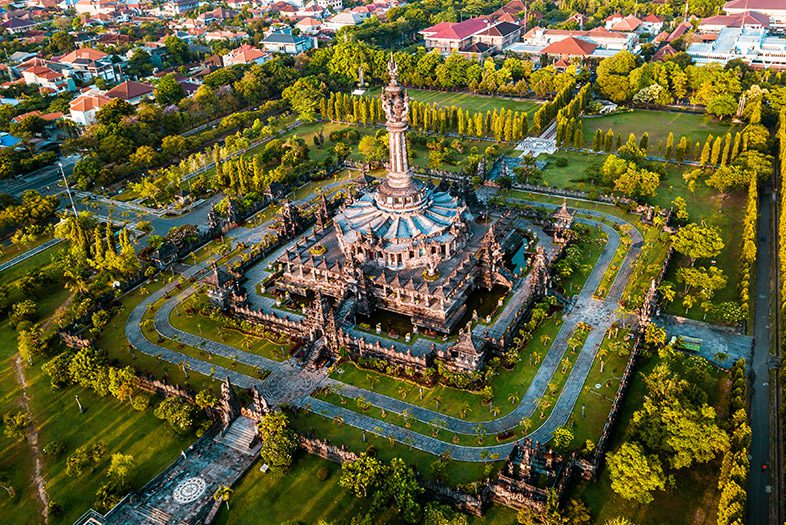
(189, 490)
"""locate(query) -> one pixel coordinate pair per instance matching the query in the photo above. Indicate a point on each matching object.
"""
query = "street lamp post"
(68, 189)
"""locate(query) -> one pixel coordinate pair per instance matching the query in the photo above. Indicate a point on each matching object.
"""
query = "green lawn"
(461, 403)
(597, 399)
(571, 175)
(113, 341)
(658, 124)
(215, 330)
(152, 443)
(467, 101)
(273, 493)
(56, 416)
(456, 473)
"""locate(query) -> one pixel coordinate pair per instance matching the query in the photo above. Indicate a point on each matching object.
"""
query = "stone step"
(240, 435)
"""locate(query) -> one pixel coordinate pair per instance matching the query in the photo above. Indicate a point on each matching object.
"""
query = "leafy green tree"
(120, 466)
(279, 442)
(403, 488)
(305, 96)
(168, 90)
(634, 475)
(562, 438)
(177, 412)
(698, 241)
(15, 424)
(363, 475)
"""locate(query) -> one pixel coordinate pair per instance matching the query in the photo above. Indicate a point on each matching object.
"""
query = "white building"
(83, 108)
(752, 45)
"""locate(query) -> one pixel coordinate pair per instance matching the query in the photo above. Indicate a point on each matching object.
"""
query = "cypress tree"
(644, 141)
(597, 142)
(619, 142)
(578, 138)
(716, 151)
(735, 150)
(726, 150)
(669, 145)
(609, 141)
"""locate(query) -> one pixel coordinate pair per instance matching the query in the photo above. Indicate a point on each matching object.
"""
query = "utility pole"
(68, 190)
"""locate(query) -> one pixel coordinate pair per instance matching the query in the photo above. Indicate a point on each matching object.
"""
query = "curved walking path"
(289, 383)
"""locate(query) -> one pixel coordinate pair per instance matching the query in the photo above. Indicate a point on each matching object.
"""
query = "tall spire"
(398, 190)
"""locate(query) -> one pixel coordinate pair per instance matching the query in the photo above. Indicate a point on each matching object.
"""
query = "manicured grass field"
(572, 175)
(272, 494)
(658, 125)
(113, 341)
(215, 330)
(597, 400)
(460, 403)
(467, 101)
(456, 473)
(150, 440)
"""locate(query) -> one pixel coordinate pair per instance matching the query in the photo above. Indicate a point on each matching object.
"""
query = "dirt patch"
(32, 440)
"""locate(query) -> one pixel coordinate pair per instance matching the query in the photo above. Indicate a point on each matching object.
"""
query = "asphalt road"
(760, 484)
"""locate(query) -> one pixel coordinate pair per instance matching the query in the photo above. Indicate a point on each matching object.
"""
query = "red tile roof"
(456, 30)
(756, 5)
(129, 90)
(570, 46)
(81, 54)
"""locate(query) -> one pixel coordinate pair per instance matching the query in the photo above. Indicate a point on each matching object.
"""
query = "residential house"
(604, 42)
(285, 42)
(18, 26)
(571, 47)
(343, 19)
(309, 26)
(453, 36)
(83, 108)
(625, 24)
(131, 91)
(8, 141)
(96, 7)
(234, 36)
(498, 36)
(48, 76)
(218, 14)
(312, 10)
(178, 7)
(774, 9)
(651, 24)
(245, 54)
(87, 64)
(335, 5)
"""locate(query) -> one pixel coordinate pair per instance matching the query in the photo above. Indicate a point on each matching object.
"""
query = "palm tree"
(545, 404)
(536, 355)
(402, 392)
(525, 424)
(465, 410)
(513, 398)
(437, 400)
(602, 353)
(545, 339)
(223, 493)
(338, 420)
(495, 410)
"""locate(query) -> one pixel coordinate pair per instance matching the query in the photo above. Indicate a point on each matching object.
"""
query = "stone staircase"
(311, 357)
(241, 436)
(156, 516)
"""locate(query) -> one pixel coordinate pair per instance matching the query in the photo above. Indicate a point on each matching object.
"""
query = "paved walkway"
(720, 345)
(288, 383)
